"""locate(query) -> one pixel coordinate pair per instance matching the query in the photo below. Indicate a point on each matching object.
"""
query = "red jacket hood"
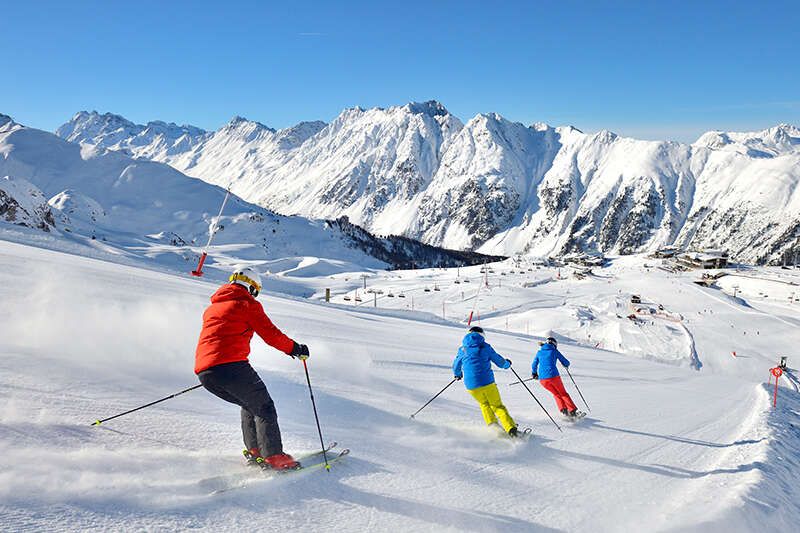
(230, 291)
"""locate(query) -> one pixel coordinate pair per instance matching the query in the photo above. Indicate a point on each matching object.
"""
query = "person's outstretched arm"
(268, 331)
(564, 360)
(496, 358)
(457, 372)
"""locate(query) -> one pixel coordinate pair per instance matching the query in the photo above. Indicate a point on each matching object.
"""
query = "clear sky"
(661, 69)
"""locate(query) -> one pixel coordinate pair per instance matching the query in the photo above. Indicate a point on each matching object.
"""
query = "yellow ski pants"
(492, 406)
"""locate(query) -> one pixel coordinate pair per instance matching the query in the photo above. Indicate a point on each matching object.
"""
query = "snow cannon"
(198, 272)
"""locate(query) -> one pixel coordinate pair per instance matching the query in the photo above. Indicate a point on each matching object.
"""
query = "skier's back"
(473, 363)
(544, 369)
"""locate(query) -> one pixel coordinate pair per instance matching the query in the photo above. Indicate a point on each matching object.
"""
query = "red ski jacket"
(228, 326)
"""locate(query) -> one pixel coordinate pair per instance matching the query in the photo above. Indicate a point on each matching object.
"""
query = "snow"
(499, 186)
(665, 447)
(779, 140)
(138, 208)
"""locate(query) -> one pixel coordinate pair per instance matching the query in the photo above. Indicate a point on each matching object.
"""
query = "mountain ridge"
(500, 187)
(99, 197)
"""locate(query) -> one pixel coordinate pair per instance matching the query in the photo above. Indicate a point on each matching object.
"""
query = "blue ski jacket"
(545, 361)
(474, 358)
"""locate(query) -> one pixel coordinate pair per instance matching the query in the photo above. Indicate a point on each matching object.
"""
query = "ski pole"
(518, 382)
(535, 398)
(576, 388)
(316, 417)
(437, 395)
(98, 422)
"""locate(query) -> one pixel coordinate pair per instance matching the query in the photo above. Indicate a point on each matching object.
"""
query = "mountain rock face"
(23, 204)
(149, 208)
(496, 186)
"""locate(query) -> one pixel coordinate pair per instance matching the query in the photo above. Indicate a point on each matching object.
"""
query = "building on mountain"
(704, 259)
(666, 252)
(585, 259)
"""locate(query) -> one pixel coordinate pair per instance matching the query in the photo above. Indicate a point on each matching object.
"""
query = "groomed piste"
(668, 445)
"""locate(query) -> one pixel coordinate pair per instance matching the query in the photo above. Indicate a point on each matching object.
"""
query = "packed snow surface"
(681, 434)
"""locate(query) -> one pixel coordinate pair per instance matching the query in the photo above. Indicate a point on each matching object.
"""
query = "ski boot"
(565, 412)
(513, 433)
(279, 461)
(252, 456)
(575, 414)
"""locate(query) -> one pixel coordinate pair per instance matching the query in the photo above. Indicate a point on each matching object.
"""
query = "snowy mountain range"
(493, 185)
(106, 199)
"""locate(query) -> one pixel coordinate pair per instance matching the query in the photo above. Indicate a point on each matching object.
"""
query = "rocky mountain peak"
(431, 108)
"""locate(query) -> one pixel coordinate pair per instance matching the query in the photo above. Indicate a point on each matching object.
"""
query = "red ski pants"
(556, 388)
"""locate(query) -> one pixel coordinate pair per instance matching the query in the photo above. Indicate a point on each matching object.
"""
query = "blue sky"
(655, 70)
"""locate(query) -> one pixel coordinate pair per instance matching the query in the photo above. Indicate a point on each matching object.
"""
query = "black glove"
(300, 351)
(535, 375)
(457, 378)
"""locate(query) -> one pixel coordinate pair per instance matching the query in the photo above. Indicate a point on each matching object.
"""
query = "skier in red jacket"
(222, 366)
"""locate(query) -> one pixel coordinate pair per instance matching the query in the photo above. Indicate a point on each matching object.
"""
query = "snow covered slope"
(155, 140)
(103, 198)
(665, 447)
(499, 186)
(783, 139)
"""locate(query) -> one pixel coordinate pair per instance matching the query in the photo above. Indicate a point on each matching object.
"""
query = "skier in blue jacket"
(473, 363)
(544, 369)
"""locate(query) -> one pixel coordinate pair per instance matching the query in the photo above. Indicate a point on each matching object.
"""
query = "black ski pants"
(238, 383)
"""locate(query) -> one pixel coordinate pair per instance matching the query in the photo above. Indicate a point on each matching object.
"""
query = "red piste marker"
(777, 372)
(198, 272)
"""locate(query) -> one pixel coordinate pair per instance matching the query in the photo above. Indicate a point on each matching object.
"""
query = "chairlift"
(346, 298)
(436, 288)
(427, 289)
(390, 295)
(401, 295)
(458, 282)
(466, 280)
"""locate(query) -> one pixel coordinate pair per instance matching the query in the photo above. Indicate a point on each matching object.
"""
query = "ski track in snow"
(665, 447)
